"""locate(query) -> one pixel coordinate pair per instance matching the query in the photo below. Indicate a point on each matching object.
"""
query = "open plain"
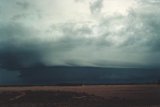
(81, 96)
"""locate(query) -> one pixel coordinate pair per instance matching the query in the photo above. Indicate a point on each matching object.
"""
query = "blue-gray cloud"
(122, 41)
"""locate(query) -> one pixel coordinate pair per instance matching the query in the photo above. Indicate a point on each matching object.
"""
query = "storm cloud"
(31, 34)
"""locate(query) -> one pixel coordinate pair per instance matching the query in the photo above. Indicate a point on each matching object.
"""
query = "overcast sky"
(102, 33)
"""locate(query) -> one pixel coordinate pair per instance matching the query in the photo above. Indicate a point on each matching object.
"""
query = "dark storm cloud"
(20, 48)
(25, 43)
(88, 75)
(17, 48)
(34, 44)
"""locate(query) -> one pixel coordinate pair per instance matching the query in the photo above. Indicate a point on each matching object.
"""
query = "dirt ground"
(81, 96)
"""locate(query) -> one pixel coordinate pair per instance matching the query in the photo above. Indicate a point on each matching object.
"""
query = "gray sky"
(108, 33)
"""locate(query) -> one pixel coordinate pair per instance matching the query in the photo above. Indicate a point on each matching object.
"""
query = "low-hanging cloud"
(17, 46)
(122, 41)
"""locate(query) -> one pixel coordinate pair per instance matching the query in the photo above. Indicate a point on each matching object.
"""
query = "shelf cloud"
(53, 33)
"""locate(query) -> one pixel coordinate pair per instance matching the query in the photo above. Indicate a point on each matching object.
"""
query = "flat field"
(81, 96)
